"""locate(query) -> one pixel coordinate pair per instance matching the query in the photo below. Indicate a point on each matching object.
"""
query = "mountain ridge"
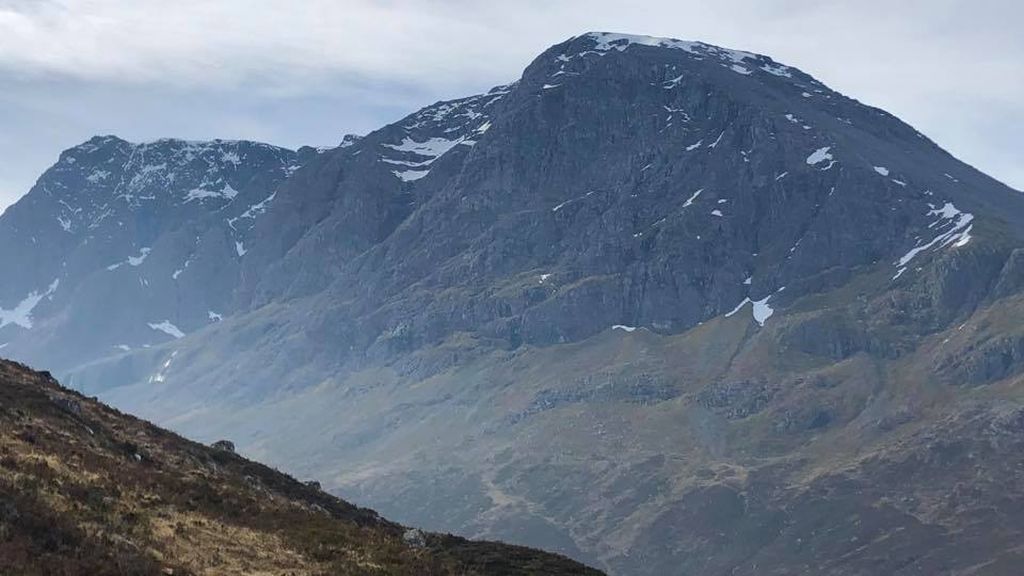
(722, 299)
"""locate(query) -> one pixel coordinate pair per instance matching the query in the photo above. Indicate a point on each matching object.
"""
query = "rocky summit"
(664, 307)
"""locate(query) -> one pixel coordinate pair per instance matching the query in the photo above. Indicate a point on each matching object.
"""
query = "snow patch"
(253, 211)
(624, 328)
(21, 314)
(569, 201)
(958, 226)
(691, 199)
(132, 260)
(761, 311)
(97, 176)
(881, 170)
(167, 328)
(820, 155)
(431, 149)
(161, 374)
(227, 192)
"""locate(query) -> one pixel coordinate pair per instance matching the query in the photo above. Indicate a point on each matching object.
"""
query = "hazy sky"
(308, 71)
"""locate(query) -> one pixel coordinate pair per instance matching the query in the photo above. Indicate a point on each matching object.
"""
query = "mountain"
(665, 307)
(85, 489)
(120, 246)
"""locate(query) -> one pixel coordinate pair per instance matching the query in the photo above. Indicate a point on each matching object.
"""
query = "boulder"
(415, 538)
(224, 445)
(68, 405)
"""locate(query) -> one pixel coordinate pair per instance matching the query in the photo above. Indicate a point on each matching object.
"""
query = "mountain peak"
(739, 61)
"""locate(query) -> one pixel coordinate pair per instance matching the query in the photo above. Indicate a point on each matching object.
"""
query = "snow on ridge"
(21, 314)
(463, 110)
(167, 328)
(732, 59)
(624, 328)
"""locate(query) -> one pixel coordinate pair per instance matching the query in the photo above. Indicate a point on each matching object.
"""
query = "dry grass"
(86, 490)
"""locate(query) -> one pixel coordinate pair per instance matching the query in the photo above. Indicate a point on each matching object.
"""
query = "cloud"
(299, 70)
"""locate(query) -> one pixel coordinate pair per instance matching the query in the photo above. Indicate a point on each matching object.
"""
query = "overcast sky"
(295, 72)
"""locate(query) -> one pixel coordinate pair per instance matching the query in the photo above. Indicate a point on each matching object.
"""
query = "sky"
(309, 71)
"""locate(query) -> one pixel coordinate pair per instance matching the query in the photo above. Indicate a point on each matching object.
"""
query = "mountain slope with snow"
(121, 246)
(666, 307)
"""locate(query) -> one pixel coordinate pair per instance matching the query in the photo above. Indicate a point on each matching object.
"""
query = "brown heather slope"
(85, 489)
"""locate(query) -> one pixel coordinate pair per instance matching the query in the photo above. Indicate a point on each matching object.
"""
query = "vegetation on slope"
(85, 489)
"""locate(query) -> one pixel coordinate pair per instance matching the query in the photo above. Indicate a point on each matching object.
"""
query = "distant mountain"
(87, 490)
(665, 307)
(121, 246)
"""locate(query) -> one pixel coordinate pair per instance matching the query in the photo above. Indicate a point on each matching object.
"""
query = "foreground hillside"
(87, 490)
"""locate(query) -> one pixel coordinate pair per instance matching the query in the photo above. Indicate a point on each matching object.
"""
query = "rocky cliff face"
(658, 304)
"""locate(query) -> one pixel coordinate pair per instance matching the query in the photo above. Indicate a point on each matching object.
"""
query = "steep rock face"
(658, 305)
(355, 196)
(621, 182)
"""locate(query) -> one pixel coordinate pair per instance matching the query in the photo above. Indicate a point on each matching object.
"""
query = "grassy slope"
(85, 489)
